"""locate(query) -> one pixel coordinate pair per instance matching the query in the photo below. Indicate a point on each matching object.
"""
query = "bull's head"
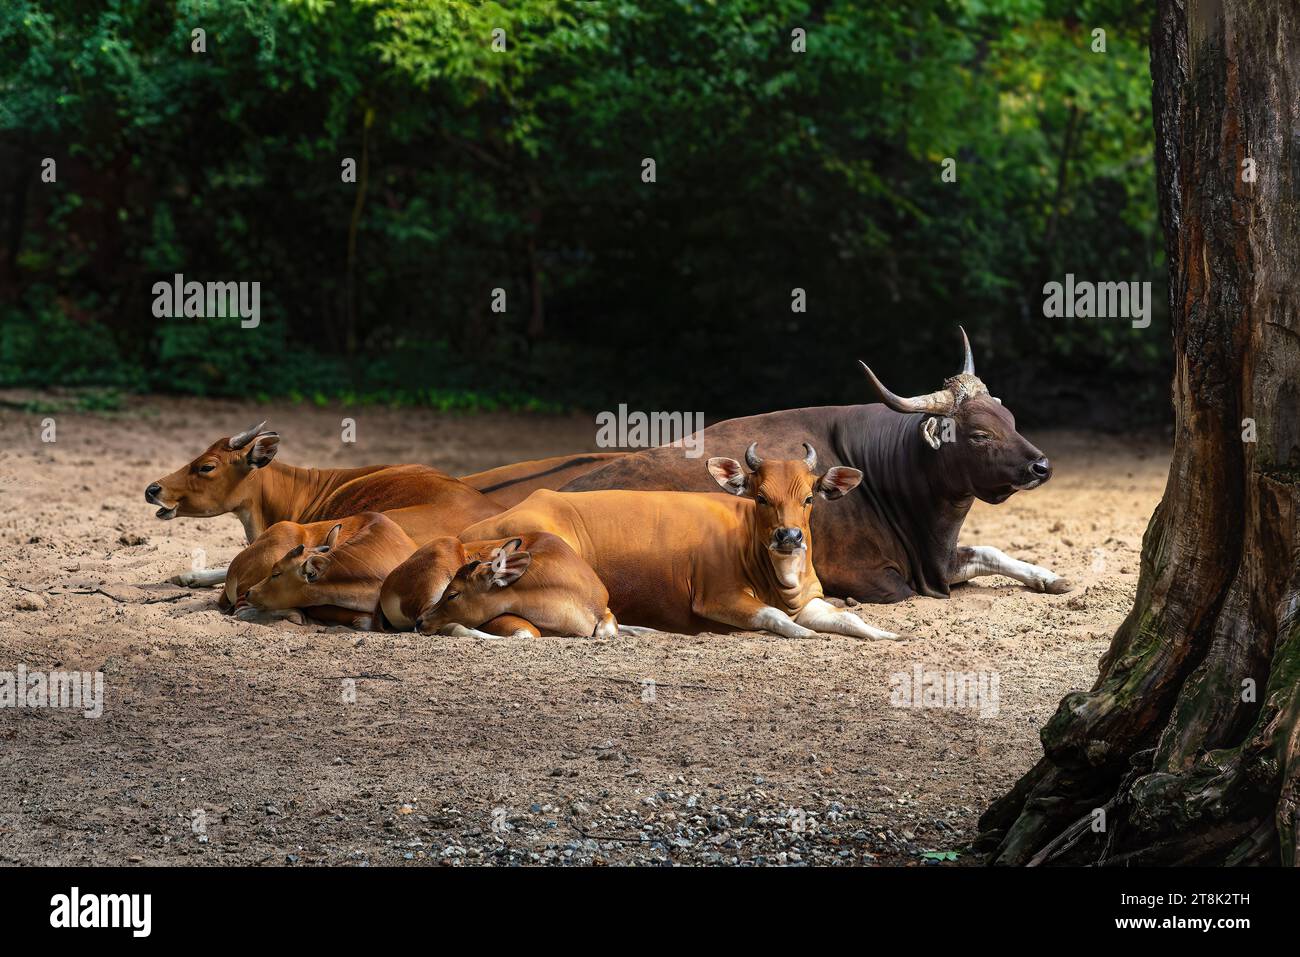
(473, 595)
(975, 436)
(289, 584)
(783, 492)
(213, 484)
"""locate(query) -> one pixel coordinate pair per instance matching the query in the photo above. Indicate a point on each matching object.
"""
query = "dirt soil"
(224, 742)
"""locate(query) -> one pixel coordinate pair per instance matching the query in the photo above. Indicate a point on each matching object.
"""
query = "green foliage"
(480, 169)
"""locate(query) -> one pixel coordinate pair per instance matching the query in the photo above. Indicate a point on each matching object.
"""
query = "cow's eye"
(275, 574)
(980, 436)
(808, 500)
(204, 469)
(760, 498)
(451, 595)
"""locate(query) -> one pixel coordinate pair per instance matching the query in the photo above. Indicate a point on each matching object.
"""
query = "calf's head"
(783, 492)
(292, 581)
(476, 593)
(979, 452)
(215, 482)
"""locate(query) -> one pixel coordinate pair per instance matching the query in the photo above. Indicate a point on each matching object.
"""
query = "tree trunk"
(1187, 748)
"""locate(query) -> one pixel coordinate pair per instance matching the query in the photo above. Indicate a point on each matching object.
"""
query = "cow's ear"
(331, 538)
(511, 546)
(728, 474)
(507, 567)
(315, 565)
(839, 481)
(263, 450)
(930, 431)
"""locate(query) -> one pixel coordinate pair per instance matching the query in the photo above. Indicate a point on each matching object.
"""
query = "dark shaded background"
(522, 170)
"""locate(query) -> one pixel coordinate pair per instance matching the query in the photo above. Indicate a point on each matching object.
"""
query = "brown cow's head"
(783, 492)
(213, 483)
(289, 583)
(979, 451)
(474, 594)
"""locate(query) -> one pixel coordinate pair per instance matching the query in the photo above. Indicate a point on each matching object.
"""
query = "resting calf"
(690, 562)
(344, 572)
(531, 584)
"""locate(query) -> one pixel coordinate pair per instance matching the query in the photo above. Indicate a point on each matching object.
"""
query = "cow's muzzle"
(787, 540)
(165, 512)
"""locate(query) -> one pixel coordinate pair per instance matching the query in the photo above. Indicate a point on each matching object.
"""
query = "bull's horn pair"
(243, 438)
(753, 461)
(943, 402)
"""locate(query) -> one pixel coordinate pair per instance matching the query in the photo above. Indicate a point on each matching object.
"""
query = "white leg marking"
(202, 578)
(460, 631)
(263, 616)
(636, 631)
(971, 561)
(821, 615)
(776, 621)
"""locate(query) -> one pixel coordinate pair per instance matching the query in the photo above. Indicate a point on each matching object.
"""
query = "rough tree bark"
(1187, 763)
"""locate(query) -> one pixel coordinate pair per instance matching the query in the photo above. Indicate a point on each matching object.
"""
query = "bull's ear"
(838, 481)
(263, 450)
(508, 566)
(729, 474)
(315, 565)
(930, 431)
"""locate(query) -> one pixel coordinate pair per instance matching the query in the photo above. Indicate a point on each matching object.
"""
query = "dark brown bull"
(924, 461)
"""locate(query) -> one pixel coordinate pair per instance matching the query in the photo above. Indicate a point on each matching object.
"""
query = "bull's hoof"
(1057, 586)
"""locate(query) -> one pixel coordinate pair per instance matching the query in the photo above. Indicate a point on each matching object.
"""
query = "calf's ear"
(838, 481)
(263, 450)
(315, 565)
(728, 474)
(511, 546)
(332, 537)
(508, 566)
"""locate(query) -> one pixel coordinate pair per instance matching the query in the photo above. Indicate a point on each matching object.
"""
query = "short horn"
(968, 361)
(810, 459)
(243, 438)
(936, 403)
(751, 457)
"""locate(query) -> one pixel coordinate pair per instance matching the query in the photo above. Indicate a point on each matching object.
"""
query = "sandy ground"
(228, 742)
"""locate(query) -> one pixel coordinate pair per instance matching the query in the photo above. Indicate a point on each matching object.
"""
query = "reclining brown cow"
(238, 475)
(334, 577)
(533, 584)
(690, 562)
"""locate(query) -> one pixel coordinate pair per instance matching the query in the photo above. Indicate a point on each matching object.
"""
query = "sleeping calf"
(521, 585)
(339, 579)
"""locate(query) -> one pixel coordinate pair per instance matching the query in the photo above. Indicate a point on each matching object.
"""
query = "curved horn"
(936, 403)
(751, 457)
(243, 438)
(968, 361)
(810, 459)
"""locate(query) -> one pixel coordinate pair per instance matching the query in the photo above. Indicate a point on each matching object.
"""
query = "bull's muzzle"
(1036, 473)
